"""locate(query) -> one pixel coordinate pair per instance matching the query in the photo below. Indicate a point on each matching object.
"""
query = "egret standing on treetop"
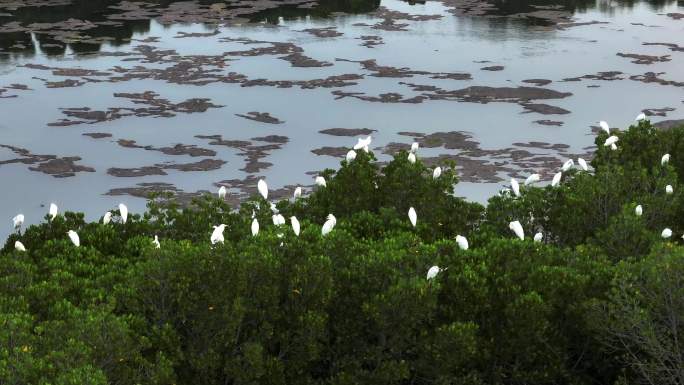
(462, 242)
(156, 243)
(222, 192)
(640, 117)
(567, 165)
(351, 155)
(413, 217)
(53, 211)
(320, 181)
(638, 211)
(297, 193)
(107, 218)
(328, 225)
(412, 158)
(255, 227)
(123, 210)
(436, 172)
(583, 164)
(18, 221)
(414, 146)
(263, 188)
(604, 126)
(295, 225)
(363, 143)
(19, 246)
(532, 179)
(515, 187)
(73, 236)
(665, 159)
(433, 271)
(556, 179)
(278, 219)
(217, 234)
(611, 141)
(668, 190)
(517, 228)
(667, 233)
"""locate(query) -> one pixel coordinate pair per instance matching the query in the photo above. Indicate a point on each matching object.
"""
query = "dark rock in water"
(135, 172)
(262, 117)
(323, 32)
(671, 46)
(549, 122)
(146, 190)
(544, 109)
(347, 131)
(604, 75)
(97, 135)
(657, 111)
(158, 169)
(652, 77)
(272, 139)
(62, 167)
(644, 59)
(492, 68)
(676, 16)
(668, 124)
(336, 152)
(537, 82)
(202, 165)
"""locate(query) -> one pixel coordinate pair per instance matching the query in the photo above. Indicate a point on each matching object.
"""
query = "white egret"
(462, 242)
(604, 126)
(329, 225)
(123, 210)
(556, 179)
(433, 271)
(532, 179)
(414, 146)
(73, 236)
(18, 221)
(669, 190)
(107, 218)
(297, 193)
(437, 172)
(263, 188)
(667, 233)
(320, 181)
(295, 225)
(515, 186)
(255, 227)
(351, 155)
(665, 159)
(583, 164)
(274, 209)
(611, 141)
(222, 192)
(567, 165)
(363, 143)
(638, 211)
(413, 217)
(517, 228)
(412, 158)
(53, 211)
(278, 219)
(19, 246)
(538, 237)
(640, 117)
(156, 243)
(613, 147)
(217, 234)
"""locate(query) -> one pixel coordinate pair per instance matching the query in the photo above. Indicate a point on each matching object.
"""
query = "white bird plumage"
(611, 141)
(638, 211)
(73, 236)
(297, 193)
(568, 165)
(665, 159)
(412, 158)
(669, 190)
(329, 225)
(462, 242)
(295, 225)
(556, 179)
(278, 219)
(107, 218)
(123, 210)
(222, 192)
(604, 126)
(363, 143)
(19, 246)
(217, 234)
(667, 233)
(255, 227)
(413, 217)
(437, 172)
(515, 186)
(320, 181)
(53, 211)
(532, 179)
(351, 155)
(583, 164)
(18, 221)
(156, 243)
(433, 271)
(538, 237)
(263, 188)
(640, 117)
(414, 146)
(517, 228)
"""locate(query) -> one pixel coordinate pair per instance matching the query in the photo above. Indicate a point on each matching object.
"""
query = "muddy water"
(121, 100)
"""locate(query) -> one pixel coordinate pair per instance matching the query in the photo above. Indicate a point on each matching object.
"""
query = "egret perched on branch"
(107, 218)
(567, 165)
(433, 271)
(156, 243)
(412, 158)
(73, 236)
(53, 211)
(611, 141)
(18, 221)
(556, 179)
(437, 172)
(217, 234)
(517, 228)
(255, 227)
(515, 186)
(532, 179)
(297, 193)
(667, 233)
(123, 210)
(665, 159)
(583, 164)
(669, 190)
(222, 192)
(414, 146)
(329, 225)
(278, 219)
(320, 181)
(538, 237)
(363, 143)
(19, 246)
(351, 155)
(263, 188)
(638, 211)
(413, 217)
(295, 225)
(462, 242)
(640, 117)
(604, 126)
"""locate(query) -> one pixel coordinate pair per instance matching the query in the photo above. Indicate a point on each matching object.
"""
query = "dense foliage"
(599, 301)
